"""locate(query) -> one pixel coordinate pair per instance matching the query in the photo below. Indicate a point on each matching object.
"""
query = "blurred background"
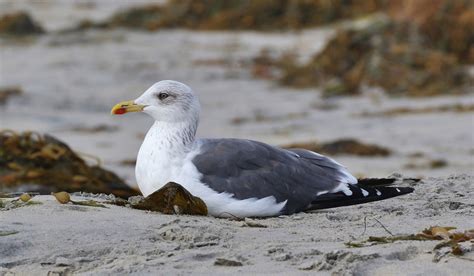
(381, 86)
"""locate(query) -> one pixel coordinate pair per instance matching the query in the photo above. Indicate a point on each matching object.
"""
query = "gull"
(238, 177)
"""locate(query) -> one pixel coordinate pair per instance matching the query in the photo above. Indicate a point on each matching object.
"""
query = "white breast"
(157, 163)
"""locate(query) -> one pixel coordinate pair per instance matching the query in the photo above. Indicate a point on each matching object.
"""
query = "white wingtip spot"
(343, 187)
(378, 192)
(364, 192)
(398, 190)
(321, 193)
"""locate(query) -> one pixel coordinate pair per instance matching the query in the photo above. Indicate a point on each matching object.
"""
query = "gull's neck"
(177, 137)
(163, 154)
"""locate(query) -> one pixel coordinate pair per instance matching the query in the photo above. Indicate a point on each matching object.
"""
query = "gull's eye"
(163, 96)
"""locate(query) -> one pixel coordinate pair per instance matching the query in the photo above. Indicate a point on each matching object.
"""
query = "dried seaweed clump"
(452, 241)
(343, 146)
(238, 15)
(442, 24)
(418, 54)
(455, 108)
(41, 163)
(19, 24)
(7, 92)
(172, 199)
(22, 201)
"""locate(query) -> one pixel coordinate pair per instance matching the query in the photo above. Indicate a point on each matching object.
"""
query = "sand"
(72, 80)
(117, 240)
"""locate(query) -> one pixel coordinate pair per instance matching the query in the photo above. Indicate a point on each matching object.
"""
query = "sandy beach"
(69, 82)
(61, 239)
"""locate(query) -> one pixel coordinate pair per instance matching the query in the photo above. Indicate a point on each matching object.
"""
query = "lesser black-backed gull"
(237, 177)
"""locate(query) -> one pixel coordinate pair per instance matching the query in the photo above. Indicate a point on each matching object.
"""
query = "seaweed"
(458, 108)
(95, 129)
(19, 24)
(409, 51)
(427, 164)
(343, 146)
(65, 198)
(236, 14)
(449, 239)
(8, 92)
(442, 24)
(43, 164)
(172, 199)
(8, 233)
(22, 201)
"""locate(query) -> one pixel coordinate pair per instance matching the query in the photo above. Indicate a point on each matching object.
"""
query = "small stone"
(207, 243)
(61, 261)
(454, 205)
(25, 197)
(325, 266)
(252, 223)
(314, 252)
(275, 250)
(282, 257)
(226, 262)
(307, 266)
(62, 197)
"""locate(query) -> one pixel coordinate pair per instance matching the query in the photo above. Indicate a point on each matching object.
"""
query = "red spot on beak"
(120, 111)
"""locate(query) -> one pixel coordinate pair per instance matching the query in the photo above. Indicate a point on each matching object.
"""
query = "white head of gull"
(235, 177)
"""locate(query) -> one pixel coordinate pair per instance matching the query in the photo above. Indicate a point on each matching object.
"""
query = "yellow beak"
(125, 107)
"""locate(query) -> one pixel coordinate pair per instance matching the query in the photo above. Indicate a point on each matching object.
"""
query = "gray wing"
(250, 169)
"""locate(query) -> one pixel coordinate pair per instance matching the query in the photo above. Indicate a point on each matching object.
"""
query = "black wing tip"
(360, 195)
(405, 190)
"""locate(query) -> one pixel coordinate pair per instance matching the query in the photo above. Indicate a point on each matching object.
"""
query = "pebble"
(61, 261)
(226, 262)
(282, 257)
(307, 266)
